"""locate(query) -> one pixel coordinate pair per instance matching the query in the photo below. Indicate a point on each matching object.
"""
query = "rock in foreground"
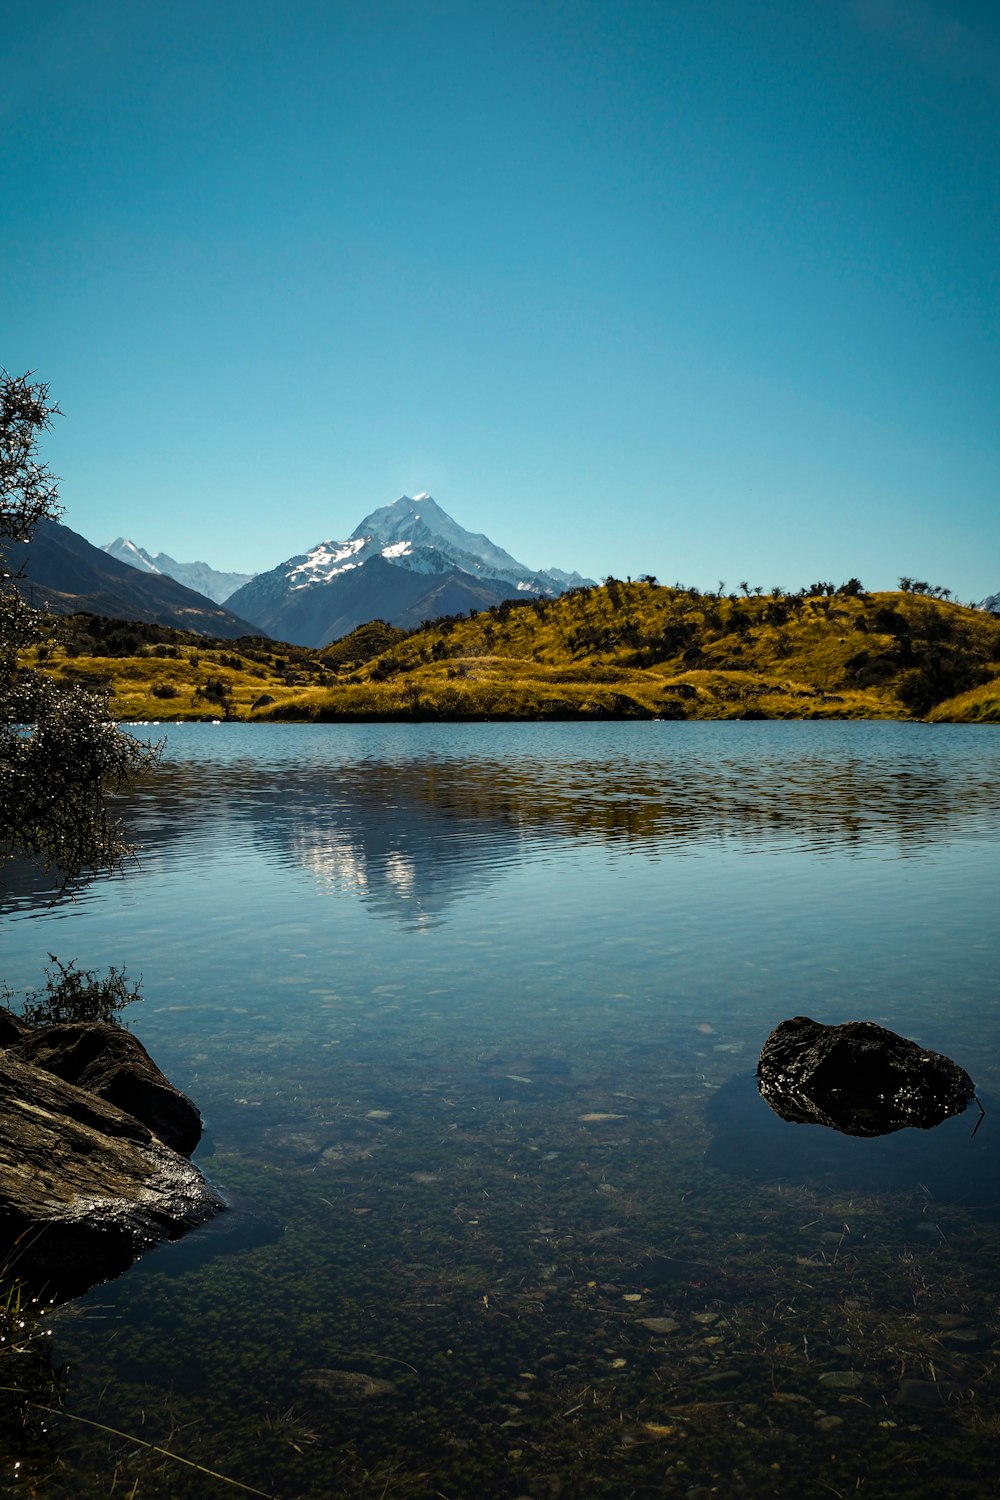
(112, 1063)
(858, 1078)
(86, 1186)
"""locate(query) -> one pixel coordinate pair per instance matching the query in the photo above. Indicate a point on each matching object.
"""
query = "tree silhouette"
(60, 758)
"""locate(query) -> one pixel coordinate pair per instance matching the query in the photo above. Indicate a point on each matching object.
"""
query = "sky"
(699, 288)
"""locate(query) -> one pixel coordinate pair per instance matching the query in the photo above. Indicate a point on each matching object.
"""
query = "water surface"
(472, 1014)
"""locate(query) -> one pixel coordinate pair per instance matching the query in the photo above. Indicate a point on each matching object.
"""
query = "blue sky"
(706, 289)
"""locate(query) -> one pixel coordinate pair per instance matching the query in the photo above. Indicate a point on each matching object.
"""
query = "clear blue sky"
(702, 288)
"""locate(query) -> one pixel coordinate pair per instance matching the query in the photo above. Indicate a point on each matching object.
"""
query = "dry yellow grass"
(622, 650)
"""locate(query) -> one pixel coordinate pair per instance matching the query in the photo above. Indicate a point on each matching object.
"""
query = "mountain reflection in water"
(412, 834)
(412, 823)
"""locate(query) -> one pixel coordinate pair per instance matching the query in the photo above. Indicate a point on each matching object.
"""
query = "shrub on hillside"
(942, 674)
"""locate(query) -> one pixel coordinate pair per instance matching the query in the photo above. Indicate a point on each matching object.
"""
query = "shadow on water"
(242, 1227)
(949, 1162)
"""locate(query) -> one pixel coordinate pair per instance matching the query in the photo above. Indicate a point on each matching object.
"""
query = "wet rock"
(750, 1140)
(967, 1338)
(344, 1386)
(660, 1325)
(842, 1380)
(85, 1187)
(114, 1065)
(929, 1394)
(245, 1225)
(658, 1270)
(858, 1078)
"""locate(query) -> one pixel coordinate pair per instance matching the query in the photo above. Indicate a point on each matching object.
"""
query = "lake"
(472, 1014)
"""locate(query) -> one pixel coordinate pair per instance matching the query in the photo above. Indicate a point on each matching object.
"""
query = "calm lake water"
(472, 1014)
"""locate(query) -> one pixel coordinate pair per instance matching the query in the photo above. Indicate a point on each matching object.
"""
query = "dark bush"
(872, 668)
(73, 994)
(214, 689)
(942, 674)
(889, 621)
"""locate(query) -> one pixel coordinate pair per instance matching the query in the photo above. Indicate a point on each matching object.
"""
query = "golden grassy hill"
(633, 649)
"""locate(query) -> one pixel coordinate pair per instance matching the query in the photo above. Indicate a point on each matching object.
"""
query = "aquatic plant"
(28, 1381)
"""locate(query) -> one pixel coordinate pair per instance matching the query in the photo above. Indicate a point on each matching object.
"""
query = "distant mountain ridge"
(199, 576)
(405, 562)
(66, 574)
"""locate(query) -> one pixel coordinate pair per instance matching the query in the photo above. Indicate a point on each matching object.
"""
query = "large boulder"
(112, 1063)
(858, 1078)
(85, 1185)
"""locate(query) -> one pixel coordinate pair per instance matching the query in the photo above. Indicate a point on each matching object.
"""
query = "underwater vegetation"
(542, 1274)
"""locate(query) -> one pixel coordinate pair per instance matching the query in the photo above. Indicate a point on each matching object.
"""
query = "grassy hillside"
(623, 649)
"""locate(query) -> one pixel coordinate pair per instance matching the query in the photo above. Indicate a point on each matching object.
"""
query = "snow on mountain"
(323, 563)
(199, 576)
(65, 573)
(568, 580)
(421, 522)
(992, 604)
(306, 596)
(127, 552)
(418, 535)
(202, 576)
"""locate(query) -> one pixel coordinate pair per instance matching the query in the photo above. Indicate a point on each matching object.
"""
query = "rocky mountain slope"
(66, 574)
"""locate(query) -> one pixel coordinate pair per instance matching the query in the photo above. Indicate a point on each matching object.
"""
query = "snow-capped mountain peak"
(416, 534)
(128, 552)
(196, 575)
(405, 562)
(419, 519)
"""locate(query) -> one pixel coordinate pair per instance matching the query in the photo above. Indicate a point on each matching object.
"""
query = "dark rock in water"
(931, 1395)
(85, 1187)
(348, 1386)
(112, 1063)
(973, 1337)
(660, 1271)
(953, 1165)
(858, 1078)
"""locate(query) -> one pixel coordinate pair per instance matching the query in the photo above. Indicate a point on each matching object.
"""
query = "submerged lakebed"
(472, 1014)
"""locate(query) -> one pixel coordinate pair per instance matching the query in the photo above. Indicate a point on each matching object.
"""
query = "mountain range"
(195, 575)
(62, 572)
(404, 563)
